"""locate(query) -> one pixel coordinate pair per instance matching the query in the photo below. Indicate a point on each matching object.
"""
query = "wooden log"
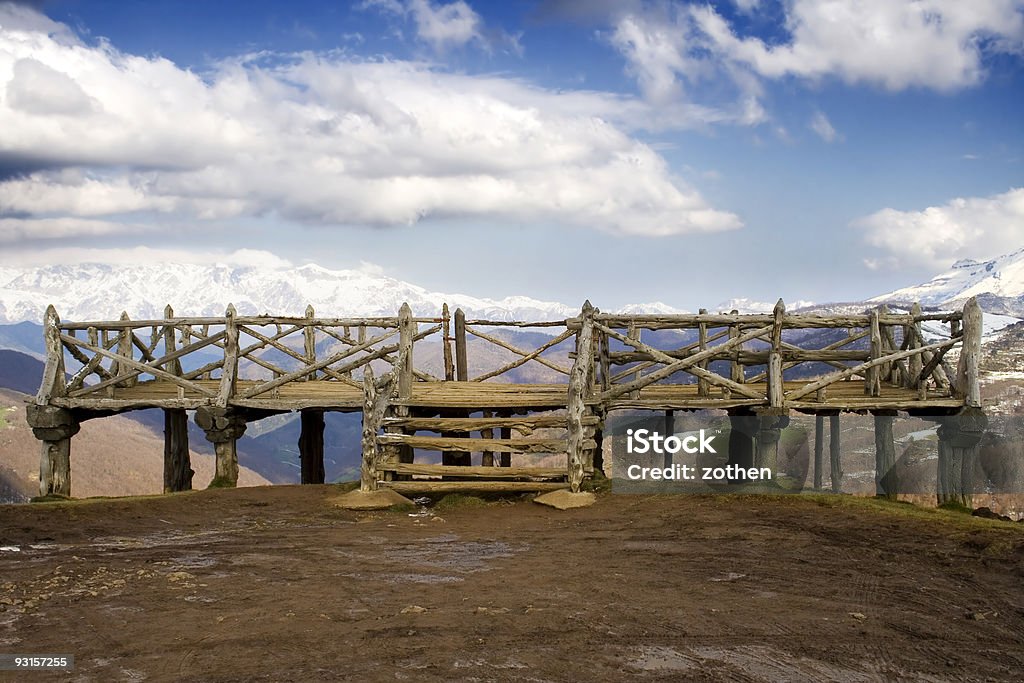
(523, 423)
(633, 332)
(461, 362)
(54, 377)
(776, 395)
(311, 446)
(484, 472)
(505, 345)
(449, 363)
(229, 372)
(579, 391)
(124, 350)
(702, 343)
(819, 447)
(912, 340)
(487, 434)
(525, 357)
(407, 332)
(605, 363)
(174, 366)
(886, 475)
(178, 470)
(834, 450)
(223, 427)
(309, 342)
(673, 366)
(368, 468)
(463, 445)
(872, 380)
(836, 376)
(967, 374)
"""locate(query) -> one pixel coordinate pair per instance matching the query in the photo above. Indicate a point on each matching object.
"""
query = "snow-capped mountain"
(998, 284)
(744, 305)
(101, 292)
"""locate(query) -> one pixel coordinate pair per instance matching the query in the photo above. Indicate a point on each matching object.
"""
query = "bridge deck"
(494, 395)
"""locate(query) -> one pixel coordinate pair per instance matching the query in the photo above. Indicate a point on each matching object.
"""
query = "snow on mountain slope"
(100, 292)
(999, 284)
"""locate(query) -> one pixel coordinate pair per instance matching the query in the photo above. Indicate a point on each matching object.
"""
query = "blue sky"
(818, 151)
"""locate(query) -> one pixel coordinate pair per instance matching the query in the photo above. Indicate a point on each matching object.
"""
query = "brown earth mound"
(278, 584)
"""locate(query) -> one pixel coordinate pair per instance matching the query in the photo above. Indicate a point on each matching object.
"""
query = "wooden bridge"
(410, 378)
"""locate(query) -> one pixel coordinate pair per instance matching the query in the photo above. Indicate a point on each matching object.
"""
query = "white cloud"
(22, 229)
(893, 44)
(320, 139)
(823, 127)
(974, 227)
(441, 25)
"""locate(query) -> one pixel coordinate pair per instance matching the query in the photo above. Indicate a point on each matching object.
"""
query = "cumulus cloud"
(102, 136)
(445, 25)
(892, 44)
(973, 227)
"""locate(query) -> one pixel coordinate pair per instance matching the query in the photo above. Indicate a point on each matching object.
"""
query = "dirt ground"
(277, 584)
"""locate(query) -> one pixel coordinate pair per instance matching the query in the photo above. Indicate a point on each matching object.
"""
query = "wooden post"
(487, 457)
(579, 389)
(702, 337)
(311, 446)
(634, 332)
(915, 363)
(886, 476)
(505, 459)
(967, 369)
(54, 381)
(776, 393)
(174, 367)
(178, 470)
(368, 468)
(606, 366)
(872, 376)
(819, 447)
(770, 426)
(230, 370)
(406, 333)
(834, 437)
(124, 349)
(743, 427)
(54, 427)
(446, 331)
(461, 364)
(223, 428)
(735, 367)
(959, 436)
(309, 341)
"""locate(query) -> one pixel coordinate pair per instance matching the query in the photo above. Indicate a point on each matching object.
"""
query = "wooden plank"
(475, 424)
(477, 472)
(461, 363)
(438, 443)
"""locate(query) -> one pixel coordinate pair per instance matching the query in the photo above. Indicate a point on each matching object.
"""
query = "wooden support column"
(873, 375)
(404, 372)
(487, 457)
(967, 369)
(461, 363)
(580, 387)
(915, 364)
(54, 427)
(670, 429)
(819, 448)
(311, 446)
(178, 470)
(735, 367)
(886, 476)
(834, 439)
(743, 426)
(505, 459)
(223, 427)
(702, 341)
(230, 370)
(959, 436)
(309, 345)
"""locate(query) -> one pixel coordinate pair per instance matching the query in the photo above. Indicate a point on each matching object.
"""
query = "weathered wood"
(407, 330)
(124, 351)
(309, 341)
(525, 356)
(872, 371)
(819, 447)
(461, 362)
(736, 371)
(229, 371)
(911, 339)
(776, 396)
(178, 470)
(505, 345)
(486, 434)
(673, 366)
(437, 443)
(835, 451)
(967, 383)
(702, 344)
(446, 337)
(311, 446)
(886, 475)
(842, 374)
(174, 366)
(303, 358)
(53, 372)
(371, 424)
(522, 423)
(579, 391)
(485, 472)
